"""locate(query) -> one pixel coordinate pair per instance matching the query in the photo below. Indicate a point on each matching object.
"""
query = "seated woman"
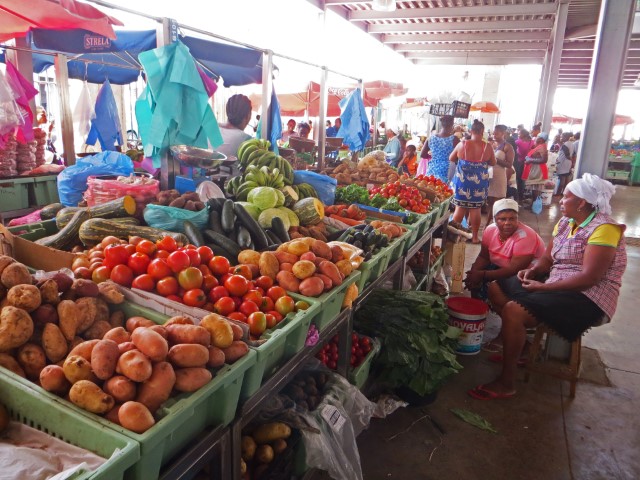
(585, 262)
(508, 246)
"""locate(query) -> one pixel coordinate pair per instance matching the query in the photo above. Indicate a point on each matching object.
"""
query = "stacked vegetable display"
(360, 348)
(261, 446)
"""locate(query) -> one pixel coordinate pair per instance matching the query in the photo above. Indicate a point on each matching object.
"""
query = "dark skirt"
(568, 313)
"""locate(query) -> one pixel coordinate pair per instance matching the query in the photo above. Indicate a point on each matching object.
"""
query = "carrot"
(348, 221)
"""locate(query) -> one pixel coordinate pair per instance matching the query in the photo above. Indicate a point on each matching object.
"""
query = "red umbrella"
(17, 17)
(485, 107)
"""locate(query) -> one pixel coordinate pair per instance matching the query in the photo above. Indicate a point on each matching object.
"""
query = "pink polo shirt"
(524, 241)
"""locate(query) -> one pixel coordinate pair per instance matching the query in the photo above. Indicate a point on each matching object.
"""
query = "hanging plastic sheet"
(105, 127)
(355, 125)
(84, 112)
(23, 91)
(275, 123)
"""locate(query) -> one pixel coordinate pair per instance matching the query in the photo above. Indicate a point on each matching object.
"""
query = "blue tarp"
(355, 125)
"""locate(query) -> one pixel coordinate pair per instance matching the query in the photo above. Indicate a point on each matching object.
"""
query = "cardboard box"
(33, 255)
(454, 257)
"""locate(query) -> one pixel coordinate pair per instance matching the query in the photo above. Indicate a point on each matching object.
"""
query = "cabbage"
(251, 209)
(281, 198)
(293, 218)
(267, 216)
(263, 197)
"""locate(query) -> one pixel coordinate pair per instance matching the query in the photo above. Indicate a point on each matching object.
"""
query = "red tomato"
(223, 278)
(248, 307)
(257, 323)
(162, 254)
(209, 282)
(83, 272)
(219, 265)
(144, 282)
(274, 293)
(244, 270)
(204, 269)
(237, 301)
(267, 304)
(178, 261)
(285, 305)
(147, 247)
(131, 249)
(115, 255)
(224, 306)
(138, 262)
(167, 286)
(264, 282)
(175, 298)
(195, 297)
(135, 240)
(206, 254)
(276, 314)
(194, 256)
(237, 285)
(109, 240)
(122, 275)
(100, 274)
(167, 243)
(239, 316)
(271, 320)
(158, 269)
(253, 296)
(190, 278)
(217, 293)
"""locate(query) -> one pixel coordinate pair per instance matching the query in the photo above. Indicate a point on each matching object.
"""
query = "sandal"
(481, 393)
(497, 358)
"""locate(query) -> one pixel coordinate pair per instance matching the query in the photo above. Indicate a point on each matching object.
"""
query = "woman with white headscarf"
(584, 262)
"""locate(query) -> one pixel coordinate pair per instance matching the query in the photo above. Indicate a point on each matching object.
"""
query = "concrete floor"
(542, 433)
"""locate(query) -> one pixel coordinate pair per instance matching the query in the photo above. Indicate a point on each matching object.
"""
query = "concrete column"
(322, 133)
(542, 92)
(490, 94)
(554, 63)
(66, 119)
(166, 34)
(607, 66)
(267, 88)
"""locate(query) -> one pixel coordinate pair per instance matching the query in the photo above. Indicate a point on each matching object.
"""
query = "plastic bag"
(207, 190)
(536, 206)
(324, 185)
(10, 115)
(72, 181)
(172, 218)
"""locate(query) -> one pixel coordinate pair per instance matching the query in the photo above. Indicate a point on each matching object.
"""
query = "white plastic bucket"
(469, 315)
(546, 196)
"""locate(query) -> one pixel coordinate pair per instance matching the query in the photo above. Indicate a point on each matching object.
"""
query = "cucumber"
(224, 242)
(243, 237)
(273, 238)
(214, 222)
(258, 235)
(277, 226)
(193, 233)
(216, 204)
(227, 217)
(335, 235)
(218, 250)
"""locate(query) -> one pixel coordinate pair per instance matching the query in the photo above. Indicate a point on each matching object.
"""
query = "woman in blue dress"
(441, 145)
(471, 181)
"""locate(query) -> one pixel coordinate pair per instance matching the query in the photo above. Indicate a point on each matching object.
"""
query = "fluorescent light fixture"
(384, 5)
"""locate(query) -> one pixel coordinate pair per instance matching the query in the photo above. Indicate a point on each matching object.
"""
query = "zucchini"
(243, 237)
(68, 236)
(48, 212)
(227, 217)
(277, 226)
(120, 207)
(218, 250)
(273, 238)
(65, 215)
(216, 204)
(94, 230)
(126, 221)
(224, 242)
(214, 222)
(193, 233)
(258, 235)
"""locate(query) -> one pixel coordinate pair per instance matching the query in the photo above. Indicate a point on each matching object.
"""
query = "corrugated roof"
(486, 32)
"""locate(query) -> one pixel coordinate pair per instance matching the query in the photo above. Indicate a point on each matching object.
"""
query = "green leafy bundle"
(418, 343)
(352, 194)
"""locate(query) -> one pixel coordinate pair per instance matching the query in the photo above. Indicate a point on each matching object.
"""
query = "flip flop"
(497, 358)
(481, 393)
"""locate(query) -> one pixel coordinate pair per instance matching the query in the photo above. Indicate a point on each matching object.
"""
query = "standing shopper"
(471, 181)
(524, 144)
(393, 148)
(504, 154)
(441, 145)
(564, 164)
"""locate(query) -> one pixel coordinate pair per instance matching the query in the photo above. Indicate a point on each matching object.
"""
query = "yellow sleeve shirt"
(606, 235)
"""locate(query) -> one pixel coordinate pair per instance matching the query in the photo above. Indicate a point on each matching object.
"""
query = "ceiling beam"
(585, 31)
(634, 44)
(460, 26)
(476, 61)
(455, 12)
(589, 54)
(466, 47)
(587, 61)
(391, 38)
(470, 54)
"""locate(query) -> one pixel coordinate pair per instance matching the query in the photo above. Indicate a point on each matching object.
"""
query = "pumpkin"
(310, 211)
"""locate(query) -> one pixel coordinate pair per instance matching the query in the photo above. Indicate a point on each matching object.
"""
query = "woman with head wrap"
(584, 262)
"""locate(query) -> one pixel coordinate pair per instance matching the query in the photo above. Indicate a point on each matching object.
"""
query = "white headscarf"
(504, 204)
(593, 190)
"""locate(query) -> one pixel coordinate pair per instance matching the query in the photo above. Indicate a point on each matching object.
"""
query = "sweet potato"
(180, 320)
(216, 357)
(136, 417)
(89, 396)
(77, 368)
(328, 284)
(54, 343)
(336, 254)
(97, 330)
(84, 349)
(189, 355)
(238, 333)
(188, 334)
(286, 267)
(249, 257)
(160, 330)
(151, 343)
(330, 270)
(344, 267)
(285, 257)
(84, 288)
(49, 292)
(32, 359)
(116, 319)
(112, 415)
(136, 322)
(236, 351)
(68, 314)
(288, 281)
(220, 330)
(16, 327)
(109, 293)
(303, 269)
(52, 379)
(121, 388)
(118, 335)
(45, 313)
(134, 365)
(10, 363)
(298, 247)
(104, 359)
(311, 287)
(191, 379)
(157, 389)
(321, 249)
(269, 264)
(125, 347)
(87, 313)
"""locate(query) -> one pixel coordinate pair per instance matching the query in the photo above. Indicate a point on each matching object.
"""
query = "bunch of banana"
(249, 147)
(264, 176)
(255, 152)
(304, 190)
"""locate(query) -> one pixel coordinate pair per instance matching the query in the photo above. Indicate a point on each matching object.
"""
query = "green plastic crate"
(412, 236)
(14, 193)
(331, 301)
(358, 376)
(51, 415)
(269, 357)
(35, 231)
(425, 221)
(46, 189)
(295, 328)
(373, 268)
(444, 209)
(396, 247)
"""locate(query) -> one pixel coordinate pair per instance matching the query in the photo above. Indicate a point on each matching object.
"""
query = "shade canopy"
(565, 119)
(18, 17)
(485, 107)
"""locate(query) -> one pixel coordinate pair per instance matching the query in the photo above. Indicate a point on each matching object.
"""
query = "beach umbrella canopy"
(485, 107)
(18, 17)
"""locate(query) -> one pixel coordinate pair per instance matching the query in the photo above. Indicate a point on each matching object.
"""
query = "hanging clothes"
(84, 112)
(174, 109)
(105, 127)
(23, 91)
(275, 123)
(355, 124)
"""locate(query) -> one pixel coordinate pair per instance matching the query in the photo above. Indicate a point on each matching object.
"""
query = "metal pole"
(607, 66)
(542, 91)
(267, 88)
(554, 65)
(322, 133)
(66, 120)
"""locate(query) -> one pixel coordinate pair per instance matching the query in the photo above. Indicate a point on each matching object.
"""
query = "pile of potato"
(172, 198)
(261, 444)
(380, 172)
(61, 334)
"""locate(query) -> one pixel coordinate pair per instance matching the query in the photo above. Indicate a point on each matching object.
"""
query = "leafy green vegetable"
(418, 345)
(473, 419)
(377, 201)
(352, 194)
